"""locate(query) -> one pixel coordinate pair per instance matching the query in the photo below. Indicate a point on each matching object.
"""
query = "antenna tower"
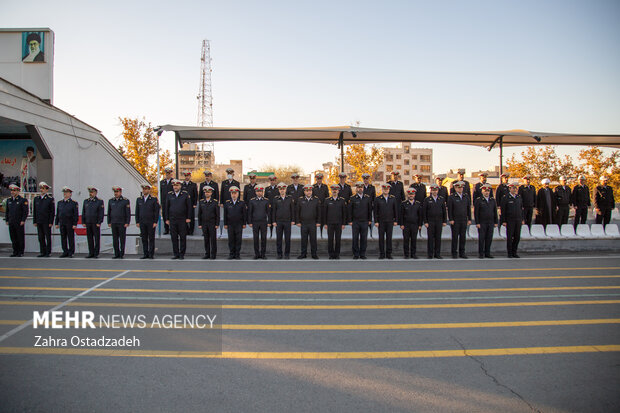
(205, 152)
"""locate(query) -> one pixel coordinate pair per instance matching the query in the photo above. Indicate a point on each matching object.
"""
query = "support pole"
(341, 145)
(501, 154)
(176, 154)
(157, 179)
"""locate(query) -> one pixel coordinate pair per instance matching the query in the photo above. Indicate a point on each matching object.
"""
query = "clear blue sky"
(439, 65)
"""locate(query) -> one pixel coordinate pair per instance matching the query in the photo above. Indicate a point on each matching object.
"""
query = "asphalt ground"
(504, 335)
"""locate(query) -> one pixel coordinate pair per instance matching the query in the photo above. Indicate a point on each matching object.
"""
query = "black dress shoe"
(463, 256)
(454, 256)
(489, 256)
(355, 257)
(301, 257)
(212, 258)
(142, 257)
(381, 257)
(64, 254)
(481, 256)
(181, 257)
(256, 257)
(13, 255)
(430, 257)
(287, 257)
(315, 257)
(363, 257)
(47, 255)
(509, 255)
(389, 256)
(150, 257)
(439, 257)
(515, 256)
(176, 257)
(231, 257)
(43, 255)
(205, 257)
(237, 257)
(279, 257)
(415, 257)
(405, 256)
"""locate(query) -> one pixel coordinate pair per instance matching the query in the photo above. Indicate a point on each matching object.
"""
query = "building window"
(425, 168)
(378, 176)
(414, 157)
(407, 149)
(389, 168)
(414, 167)
(425, 158)
(398, 166)
(406, 161)
(406, 171)
(406, 182)
(397, 157)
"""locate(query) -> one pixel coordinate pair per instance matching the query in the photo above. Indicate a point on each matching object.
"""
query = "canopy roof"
(351, 134)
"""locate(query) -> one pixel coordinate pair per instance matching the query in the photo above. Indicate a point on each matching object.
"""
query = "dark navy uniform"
(459, 211)
(466, 189)
(562, 200)
(370, 191)
(320, 191)
(434, 214)
(235, 218)
(420, 191)
(604, 201)
(360, 217)
(165, 186)
(119, 217)
(67, 215)
(249, 192)
(192, 189)
(485, 214)
(208, 219)
(92, 217)
(528, 196)
(225, 196)
(581, 201)
(147, 215)
(259, 216)
(214, 195)
(545, 206)
(271, 192)
(283, 214)
(397, 190)
(500, 192)
(410, 220)
(512, 216)
(442, 192)
(308, 215)
(295, 193)
(345, 192)
(43, 212)
(15, 217)
(386, 215)
(334, 216)
(178, 209)
(478, 191)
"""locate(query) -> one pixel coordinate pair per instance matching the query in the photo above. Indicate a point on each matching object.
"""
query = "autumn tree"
(282, 172)
(360, 158)
(594, 164)
(541, 162)
(139, 147)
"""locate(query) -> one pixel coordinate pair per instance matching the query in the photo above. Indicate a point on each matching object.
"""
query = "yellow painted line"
(320, 272)
(311, 327)
(311, 307)
(289, 280)
(518, 351)
(346, 292)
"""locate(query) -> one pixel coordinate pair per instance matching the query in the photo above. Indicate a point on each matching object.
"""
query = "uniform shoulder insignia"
(391, 196)
(170, 192)
(252, 199)
(228, 201)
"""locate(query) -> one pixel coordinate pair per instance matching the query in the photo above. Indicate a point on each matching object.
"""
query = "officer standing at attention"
(420, 188)
(192, 190)
(308, 217)
(119, 217)
(604, 202)
(527, 193)
(270, 193)
(345, 190)
(434, 216)
(147, 215)
(67, 215)
(248, 189)
(15, 217)
(209, 221)
(92, 217)
(386, 217)
(360, 218)
(369, 188)
(410, 220)
(396, 187)
(466, 189)
(209, 182)
(334, 218)
(165, 186)
(459, 214)
(545, 204)
(321, 192)
(282, 215)
(581, 201)
(178, 210)
(227, 184)
(259, 218)
(502, 189)
(512, 216)
(295, 189)
(478, 187)
(443, 191)
(485, 213)
(235, 218)
(562, 194)
(43, 211)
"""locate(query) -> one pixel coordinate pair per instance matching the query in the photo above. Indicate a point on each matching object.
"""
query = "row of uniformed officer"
(15, 217)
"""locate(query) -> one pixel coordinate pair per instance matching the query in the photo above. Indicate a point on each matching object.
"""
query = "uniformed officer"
(209, 182)
(15, 217)
(396, 187)
(604, 201)
(410, 220)
(295, 189)
(209, 221)
(345, 190)
(165, 186)
(485, 214)
(147, 215)
(581, 201)
(92, 217)
(119, 217)
(545, 204)
(178, 211)
(259, 219)
(334, 218)
(360, 219)
(527, 192)
(282, 215)
(420, 188)
(248, 189)
(459, 214)
(320, 191)
(67, 215)
(443, 191)
(43, 211)
(229, 182)
(466, 189)
(235, 218)
(478, 187)
(369, 188)
(308, 217)
(502, 189)
(386, 217)
(271, 190)
(562, 194)
(434, 216)
(512, 219)
(192, 190)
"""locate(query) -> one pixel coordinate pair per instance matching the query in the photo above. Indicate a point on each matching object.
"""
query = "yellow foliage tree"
(595, 164)
(282, 172)
(361, 159)
(541, 162)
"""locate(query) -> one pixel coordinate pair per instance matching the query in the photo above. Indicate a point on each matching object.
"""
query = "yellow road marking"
(280, 292)
(316, 355)
(312, 307)
(382, 326)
